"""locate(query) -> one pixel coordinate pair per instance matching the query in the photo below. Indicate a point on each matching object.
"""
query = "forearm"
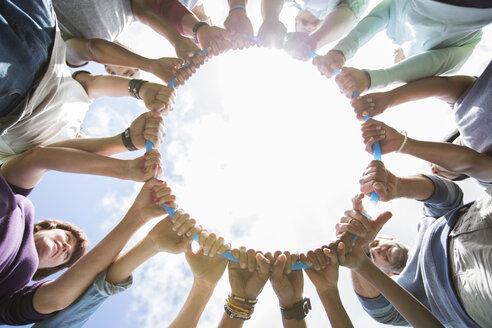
(193, 307)
(408, 306)
(332, 303)
(106, 146)
(335, 25)
(227, 322)
(101, 51)
(60, 293)
(26, 171)
(362, 287)
(159, 17)
(293, 323)
(98, 86)
(373, 23)
(447, 88)
(188, 22)
(233, 3)
(456, 158)
(270, 9)
(428, 63)
(417, 187)
(124, 265)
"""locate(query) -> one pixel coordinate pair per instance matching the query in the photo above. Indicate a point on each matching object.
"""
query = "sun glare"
(277, 155)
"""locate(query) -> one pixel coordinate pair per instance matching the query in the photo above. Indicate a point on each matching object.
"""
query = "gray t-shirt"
(473, 114)
(93, 19)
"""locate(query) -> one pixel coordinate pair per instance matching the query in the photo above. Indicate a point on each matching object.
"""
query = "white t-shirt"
(54, 113)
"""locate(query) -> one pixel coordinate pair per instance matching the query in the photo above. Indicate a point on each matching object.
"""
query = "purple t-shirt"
(18, 257)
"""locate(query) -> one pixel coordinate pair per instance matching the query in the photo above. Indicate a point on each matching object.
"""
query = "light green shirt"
(438, 37)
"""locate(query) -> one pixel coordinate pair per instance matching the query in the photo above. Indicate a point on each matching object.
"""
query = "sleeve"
(446, 197)
(357, 6)
(18, 309)
(77, 314)
(373, 23)
(381, 310)
(429, 63)
(171, 10)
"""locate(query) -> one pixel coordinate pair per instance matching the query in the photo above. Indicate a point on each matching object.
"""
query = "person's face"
(388, 255)
(306, 22)
(121, 71)
(54, 247)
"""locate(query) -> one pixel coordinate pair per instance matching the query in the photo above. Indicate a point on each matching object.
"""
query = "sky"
(260, 149)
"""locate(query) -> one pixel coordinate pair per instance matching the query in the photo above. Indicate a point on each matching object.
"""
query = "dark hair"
(79, 249)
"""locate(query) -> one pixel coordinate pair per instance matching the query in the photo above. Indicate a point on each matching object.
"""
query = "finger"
(320, 256)
(224, 248)
(313, 260)
(186, 227)
(305, 259)
(341, 254)
(263, 266)
(288, 262)
(216, 246)
(243, 258)
(278, 266)
(251, 255)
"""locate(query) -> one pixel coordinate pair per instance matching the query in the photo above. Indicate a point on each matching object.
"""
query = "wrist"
(288, 303)
(338, 53)
(204, 284)
(238, 8)
(198, 29)
(297, 311)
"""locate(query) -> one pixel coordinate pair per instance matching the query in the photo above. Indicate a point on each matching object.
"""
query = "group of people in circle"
(444, 281)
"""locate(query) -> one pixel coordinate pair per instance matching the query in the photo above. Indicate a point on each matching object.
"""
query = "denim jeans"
(77, 314)
(27, 32)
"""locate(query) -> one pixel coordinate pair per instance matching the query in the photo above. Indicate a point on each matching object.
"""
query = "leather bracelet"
(134, 87)
(127, 140)
(297, 311)
(195, 30)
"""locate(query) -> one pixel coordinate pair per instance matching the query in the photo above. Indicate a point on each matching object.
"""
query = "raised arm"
(455, 158)
(325, 280)
(431, 62)
(238, 23)
(407, 305)
(346, 48)
(334, 26)
(207, 271)
(156, 97)
(446, 88)
(272, 31)
(60, 293)
(288, 285)
(247, 280)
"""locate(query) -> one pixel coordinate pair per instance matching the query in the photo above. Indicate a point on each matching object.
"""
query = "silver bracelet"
(404, 141)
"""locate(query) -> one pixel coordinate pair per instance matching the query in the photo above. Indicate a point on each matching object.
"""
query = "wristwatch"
(297, 311)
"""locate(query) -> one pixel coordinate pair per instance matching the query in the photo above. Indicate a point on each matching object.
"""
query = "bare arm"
(101, 51)
(334, 26)
(270, 9)
(60, 293)
(456, 158)
(27, 169)
(406, 304)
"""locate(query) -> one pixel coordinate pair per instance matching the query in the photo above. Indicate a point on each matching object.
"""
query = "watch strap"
(297, 311)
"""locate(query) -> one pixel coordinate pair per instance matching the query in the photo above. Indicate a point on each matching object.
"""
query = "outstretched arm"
(446, 88)
(272, 31)
(80, 51)
(406, 304)
(28, 168)
(456, 158)
(156, 97)
(324, 277)
(60, 293)
(207, 271)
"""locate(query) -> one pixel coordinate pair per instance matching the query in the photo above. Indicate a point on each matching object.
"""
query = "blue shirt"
(427, 275)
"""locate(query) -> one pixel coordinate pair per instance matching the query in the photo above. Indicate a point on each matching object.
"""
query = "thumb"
(382, 219)
(379, 188)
